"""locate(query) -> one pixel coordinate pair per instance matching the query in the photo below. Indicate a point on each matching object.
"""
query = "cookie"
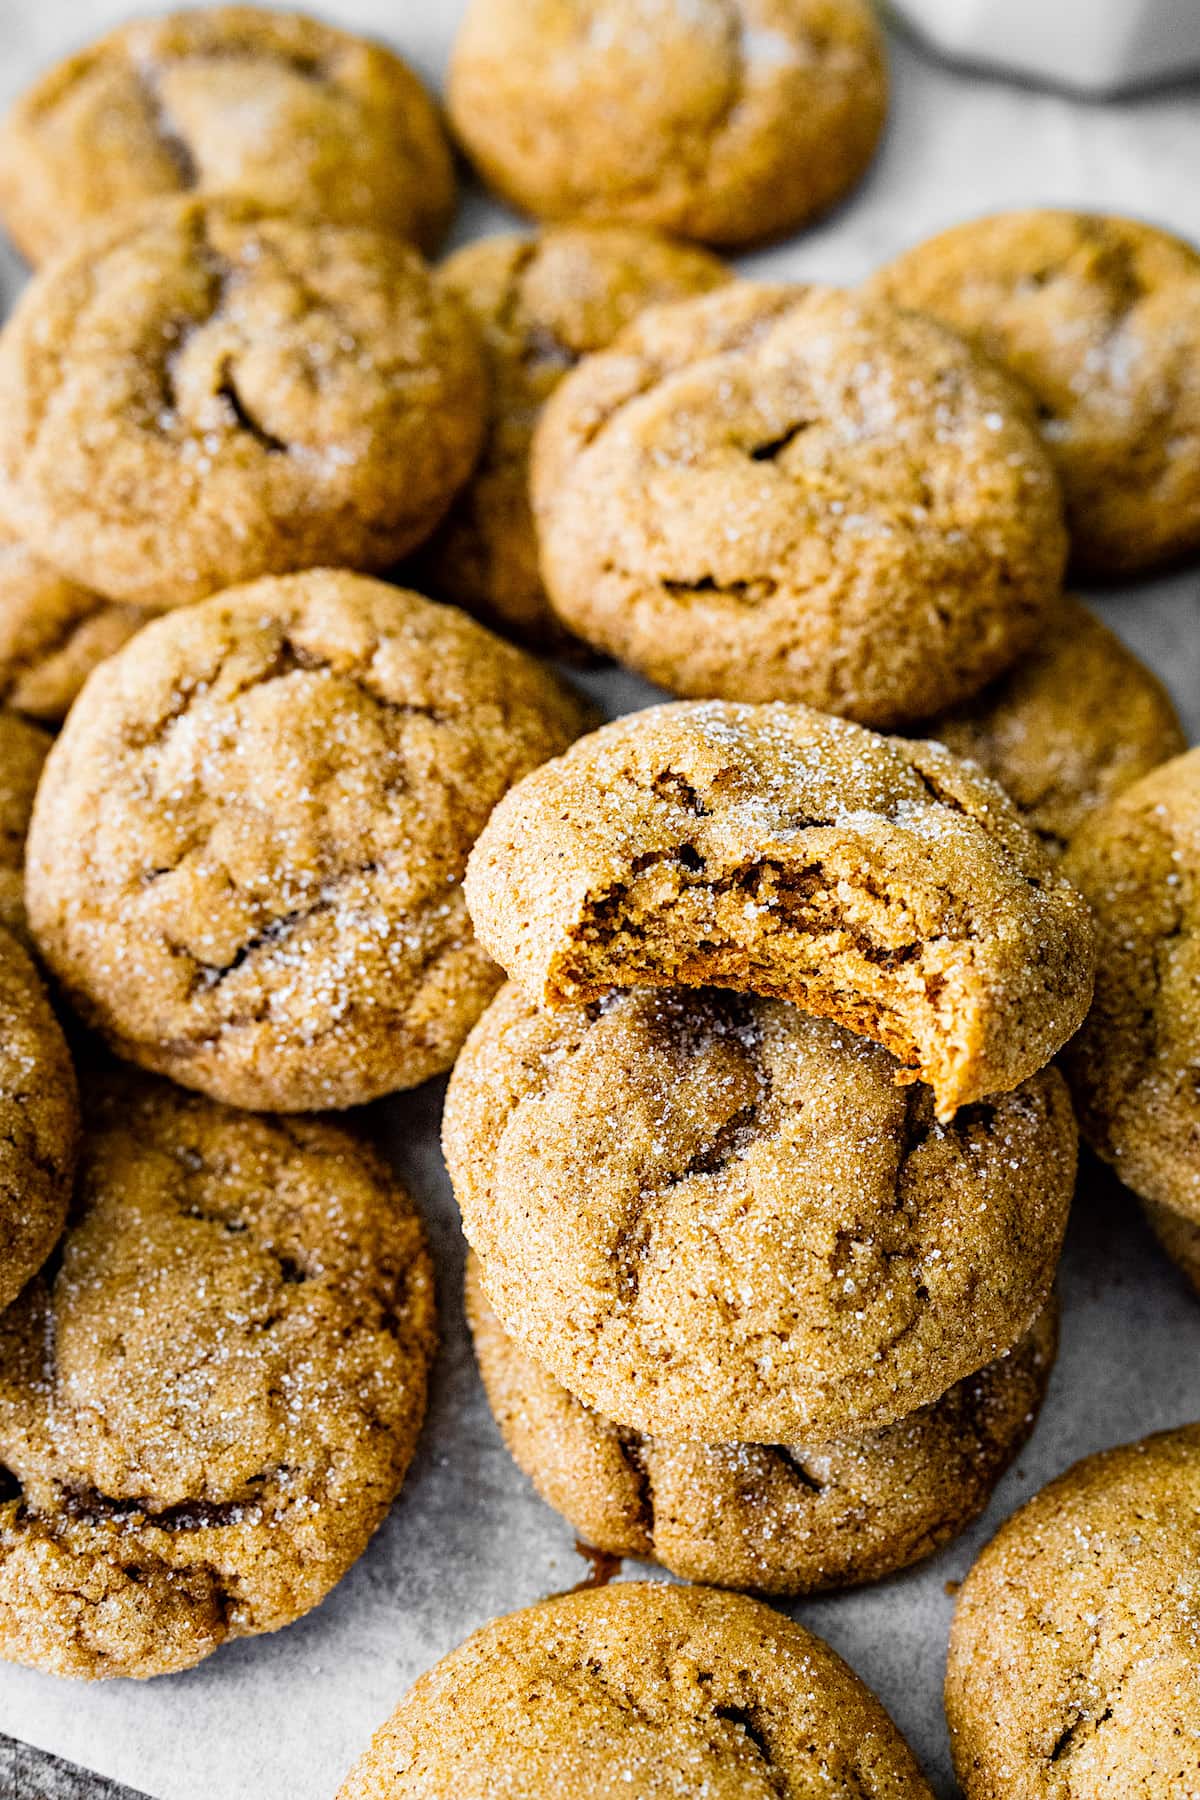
(1100, 318)
(777, 1244)
(199, 395)
(639, 1689)
(1179, 1237)
(783, 493)
(1072, 725)
(881, 882)
(274, 108)
(724, 122)
(23, 750)
(239, 1337)
(1132, 1068)
(39, 1122)
(1073, 1668)
(246, 858)
(52, 633)
(781, 1519)
(539, 304)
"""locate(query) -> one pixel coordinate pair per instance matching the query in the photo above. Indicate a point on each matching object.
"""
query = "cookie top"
(163, 433)
(1100, 318)
(1132, 1068)
(1073, 1668)
(23, 751)
(1179, 1237)
(780, 1519)
(239, 1337)
(718, 121)
(789, 493)
(1069, 727)
(539, 304)
(52, 633)
(271, 107)
(878, 881)
(246, 858)
(779, 1245)
(643, 1689)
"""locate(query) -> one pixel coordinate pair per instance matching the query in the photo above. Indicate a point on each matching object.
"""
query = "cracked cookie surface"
(270, 107)
(23, 751)
(775, 1518)
(643, 1689)
(1073, 1669)
(201, 394)
(209, 1404)
(778, 1244)
(246, 858)
(1100, 318)
(879, 881)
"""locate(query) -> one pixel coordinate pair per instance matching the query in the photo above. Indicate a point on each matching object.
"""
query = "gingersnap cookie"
(23, 751)
(781, 1519)
(1179, 1237)
(270, 107)
(1132, 1068)
(787, 493)
(539, 304)
(724, 122)
(879, 881)
(1100, 318)
(1073, 1669)
(201, 394)
(639, 1689)
(715, 1218)
(1073, 724)
(246, 858)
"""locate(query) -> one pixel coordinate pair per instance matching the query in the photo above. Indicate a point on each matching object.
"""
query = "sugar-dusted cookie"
(52, 633)
(23, 750)
(1179, 1237)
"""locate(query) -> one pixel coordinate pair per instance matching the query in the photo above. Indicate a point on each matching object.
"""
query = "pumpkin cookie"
(782, 1519)
(246, 858)
(1132, 1068)
(782, 493)
(780, 1244)
(1073, 1669)
(198, 395)
(539, 304)
(878, 881)
(52, 633)
(1100, 318)
(1071, 726)
(270, 107)
(727, 122)
(639, 1689)
(23, 751)
(1179, 1237)
(240, 1333)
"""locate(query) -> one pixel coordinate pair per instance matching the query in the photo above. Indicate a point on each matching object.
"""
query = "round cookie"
(781, 1519)
(1132, 1068)
(23, 751)
(639, 1689)
(539, 304)
(273, 108)
(1100, 318)
(1179, 1237)
(779, 1245)
(878, 881)
(199, 394)
(724, 120)
(788, 493)
(1073, 1669)
(240, 1329)
(52, 633)
(1072, 725)
(246, 858)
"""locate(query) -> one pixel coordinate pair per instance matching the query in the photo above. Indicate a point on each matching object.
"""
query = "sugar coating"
(23, 751)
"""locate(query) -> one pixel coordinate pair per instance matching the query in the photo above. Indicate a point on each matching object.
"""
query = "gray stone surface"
(29, 1774)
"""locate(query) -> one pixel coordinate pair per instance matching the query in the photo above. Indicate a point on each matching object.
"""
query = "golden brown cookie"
(271, 107)
(1100, 318)
(780, 1519)
(238, 1341)
(723, 120)
(787, 493)
(1073, 1669)
(52, 633)
(23, 750)
(1072, 725)
(1133, 1067)
(1179, 1237)
(715, 1218)
(639, 1690)
(199, 394)
(879, 881)
(246, 859)
(539, 304)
